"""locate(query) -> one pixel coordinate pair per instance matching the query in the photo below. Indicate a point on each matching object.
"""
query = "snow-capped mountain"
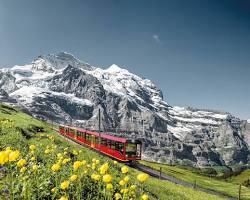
(64, 89)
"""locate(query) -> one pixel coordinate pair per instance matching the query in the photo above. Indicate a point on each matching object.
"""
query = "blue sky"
(196, 51)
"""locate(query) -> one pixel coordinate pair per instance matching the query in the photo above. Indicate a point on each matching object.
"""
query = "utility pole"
(160, 173)
(239, 195)
(99, 127)
(99, 120)
(143, 129)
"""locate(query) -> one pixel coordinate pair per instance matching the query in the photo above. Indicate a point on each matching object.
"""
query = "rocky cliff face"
(66, 90)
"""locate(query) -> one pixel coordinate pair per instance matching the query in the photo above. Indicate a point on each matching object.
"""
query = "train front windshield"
(133, 149)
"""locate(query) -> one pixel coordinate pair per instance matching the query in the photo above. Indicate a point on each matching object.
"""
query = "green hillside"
(50, 167)
(242, 178)
(230, 188)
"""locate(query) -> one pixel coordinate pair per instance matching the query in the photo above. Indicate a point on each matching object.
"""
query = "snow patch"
(116, 69)
(73, 98)
(179, 131)
(26, 94)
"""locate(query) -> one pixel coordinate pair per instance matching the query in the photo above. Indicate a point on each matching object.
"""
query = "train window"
(103, 141)
(88, 137)
(119, 146)
(109, 143)
(93, 139)
(131, 149)
(112, 145)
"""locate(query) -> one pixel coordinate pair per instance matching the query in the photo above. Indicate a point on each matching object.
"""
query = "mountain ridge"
(62, 88)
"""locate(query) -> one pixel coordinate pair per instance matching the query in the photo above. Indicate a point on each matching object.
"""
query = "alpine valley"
(63, 89)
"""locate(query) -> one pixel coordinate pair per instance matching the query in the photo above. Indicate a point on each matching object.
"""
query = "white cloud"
(156, 38)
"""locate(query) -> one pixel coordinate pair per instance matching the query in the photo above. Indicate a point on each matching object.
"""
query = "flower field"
(42, 172)
(36, 163)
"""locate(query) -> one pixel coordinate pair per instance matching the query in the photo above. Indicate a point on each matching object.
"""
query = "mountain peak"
(61, 60)
(116, 69)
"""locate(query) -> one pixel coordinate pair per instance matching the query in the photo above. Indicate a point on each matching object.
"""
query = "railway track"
(162, 176)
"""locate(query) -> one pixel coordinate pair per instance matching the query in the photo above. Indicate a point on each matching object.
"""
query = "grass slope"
(226, 187)
(241, 178)
(24, 131)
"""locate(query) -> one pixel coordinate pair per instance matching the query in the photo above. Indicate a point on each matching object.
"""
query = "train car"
(122, 149)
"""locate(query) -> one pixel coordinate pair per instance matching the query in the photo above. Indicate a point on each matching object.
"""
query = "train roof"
(106, 136)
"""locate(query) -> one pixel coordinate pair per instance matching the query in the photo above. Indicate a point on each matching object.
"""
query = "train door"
(93, 141)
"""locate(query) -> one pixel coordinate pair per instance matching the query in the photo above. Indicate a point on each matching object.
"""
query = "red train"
(119, 148)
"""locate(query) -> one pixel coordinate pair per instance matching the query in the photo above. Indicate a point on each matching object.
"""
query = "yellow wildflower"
(73, 178)
(65, 161)
(124, 191)
(63, 198)
(13, 156)
(115, 162)
(59, 155)
(32, 147)
(47, 151)
(64, 185)
(8, 148)
(51, 137)
(33, 158)
(53, 190)
(107, 178)
(75, 152)
(124, 169)
(96, 177)
(65, 149)
(109, 186)
(122, 182)
(133, 187)
(35, 167)
(126, 179)
(97, 162)
(144, 197)
(21, 163)
(118, 196)
(104, 168)
(23, 169)
(142, 177)
(4, 157)
(76, 165)
(55, 167)
(32, 152)
(84, 162)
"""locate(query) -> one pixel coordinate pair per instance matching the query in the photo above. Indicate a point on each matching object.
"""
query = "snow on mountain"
(248, 121)
(123, 83)
(59, 61)
(200, 116)
(62, 88)
(27, 94)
